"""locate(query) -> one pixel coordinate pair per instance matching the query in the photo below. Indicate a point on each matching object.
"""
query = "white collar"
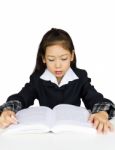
(69, 76)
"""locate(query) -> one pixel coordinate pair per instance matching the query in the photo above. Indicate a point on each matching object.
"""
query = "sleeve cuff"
(13, 105)
(105, 106)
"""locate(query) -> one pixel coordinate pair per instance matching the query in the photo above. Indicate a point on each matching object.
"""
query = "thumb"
(91, 118)
(12, 113)
(13, 117)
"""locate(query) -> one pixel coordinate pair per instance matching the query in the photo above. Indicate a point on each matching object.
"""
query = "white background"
(90, 23)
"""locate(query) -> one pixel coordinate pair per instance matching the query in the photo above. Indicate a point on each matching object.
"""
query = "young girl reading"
(56, 80)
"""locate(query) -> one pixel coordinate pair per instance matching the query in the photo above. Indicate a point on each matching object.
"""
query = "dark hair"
(53, 37)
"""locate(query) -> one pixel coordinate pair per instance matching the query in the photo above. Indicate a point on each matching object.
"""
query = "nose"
(57, 64)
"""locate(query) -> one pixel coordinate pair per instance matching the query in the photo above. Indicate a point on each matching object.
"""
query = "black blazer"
(49, 94)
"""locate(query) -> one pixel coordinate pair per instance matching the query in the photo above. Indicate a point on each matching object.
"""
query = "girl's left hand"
(100, 122)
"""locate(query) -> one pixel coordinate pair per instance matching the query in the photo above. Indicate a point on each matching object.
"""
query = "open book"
(61, 118)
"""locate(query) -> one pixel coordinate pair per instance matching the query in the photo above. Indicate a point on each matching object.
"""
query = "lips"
(58, 72)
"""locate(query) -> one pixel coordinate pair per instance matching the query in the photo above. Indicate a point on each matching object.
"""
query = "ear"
(43, 59)
(72, 56)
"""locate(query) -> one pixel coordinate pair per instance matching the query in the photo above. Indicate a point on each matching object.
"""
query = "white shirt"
(69, 76)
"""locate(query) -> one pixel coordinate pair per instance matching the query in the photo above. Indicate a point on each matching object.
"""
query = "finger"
(11, 119)
(13, 113)
(1, 121)
(4, 124)
(110, 126)
(105, 128)
(6, 120)
(8, 117)
(13, 116)
(96, 123)
(91, 118)
(14, 119)
(8, 113)
(100, 127)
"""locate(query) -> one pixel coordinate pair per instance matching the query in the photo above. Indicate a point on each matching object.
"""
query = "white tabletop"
(65, 141)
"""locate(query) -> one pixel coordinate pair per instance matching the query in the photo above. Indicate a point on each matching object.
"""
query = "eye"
(51, 59)
(64, 59)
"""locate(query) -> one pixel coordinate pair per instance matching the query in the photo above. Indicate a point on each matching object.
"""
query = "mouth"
(58, 72)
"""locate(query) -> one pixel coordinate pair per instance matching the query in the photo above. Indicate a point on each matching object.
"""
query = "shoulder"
(81, 73)
(35, 75)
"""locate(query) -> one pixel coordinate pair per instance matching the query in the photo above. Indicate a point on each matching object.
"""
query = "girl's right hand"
(7, 118)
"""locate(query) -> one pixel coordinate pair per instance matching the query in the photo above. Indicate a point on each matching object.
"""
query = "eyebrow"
(59, 56)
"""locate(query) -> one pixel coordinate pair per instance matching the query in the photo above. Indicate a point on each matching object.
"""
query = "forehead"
(56, 50)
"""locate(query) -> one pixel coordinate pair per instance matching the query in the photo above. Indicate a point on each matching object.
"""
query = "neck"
(59, 80)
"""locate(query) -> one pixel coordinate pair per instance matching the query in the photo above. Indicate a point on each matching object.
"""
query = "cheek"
(66, 65)
(50, 65)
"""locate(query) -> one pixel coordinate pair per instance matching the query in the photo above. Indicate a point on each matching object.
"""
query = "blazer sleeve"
(27, 95)
(90, 95)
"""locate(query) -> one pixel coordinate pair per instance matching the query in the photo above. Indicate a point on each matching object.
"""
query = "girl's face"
(58, 60)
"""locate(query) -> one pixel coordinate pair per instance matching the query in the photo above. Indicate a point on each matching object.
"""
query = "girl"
(56, 80)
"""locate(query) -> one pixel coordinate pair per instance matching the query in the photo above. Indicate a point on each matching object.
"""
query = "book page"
(70, 117)
(32, 120)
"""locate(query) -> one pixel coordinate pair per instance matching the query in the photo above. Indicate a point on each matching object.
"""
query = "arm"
(102, 109)
(16, 102)
(25, 97)
(94, 100)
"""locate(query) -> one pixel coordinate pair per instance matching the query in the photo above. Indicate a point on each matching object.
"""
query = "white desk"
(65, 141)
